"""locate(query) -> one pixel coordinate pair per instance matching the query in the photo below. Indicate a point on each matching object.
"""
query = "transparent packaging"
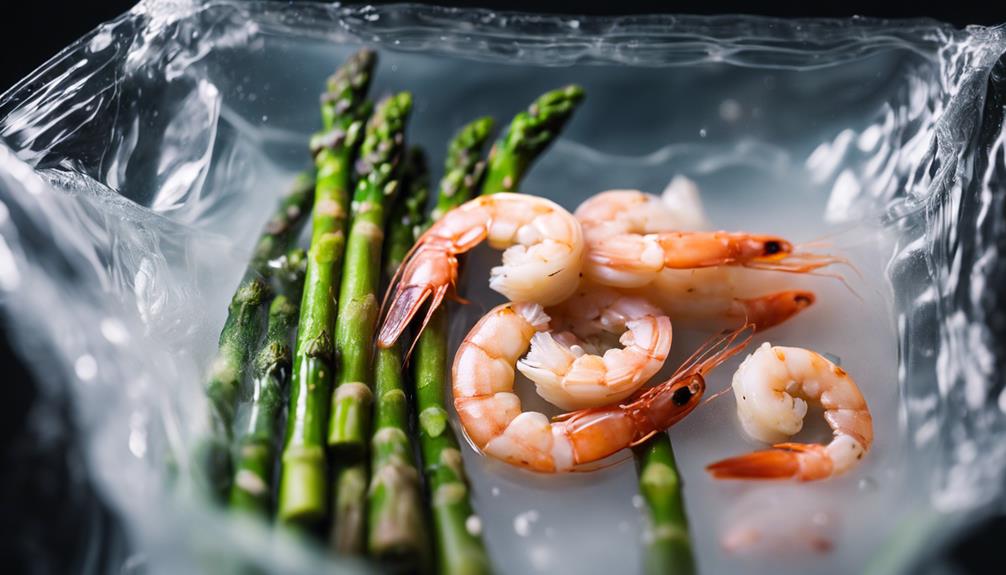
(138, 165)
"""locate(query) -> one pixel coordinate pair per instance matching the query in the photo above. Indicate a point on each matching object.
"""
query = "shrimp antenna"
(716, 350)
(715, 395)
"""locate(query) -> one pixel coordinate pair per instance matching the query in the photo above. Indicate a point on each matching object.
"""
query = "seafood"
(565, 362)
(491, 414)
(542, 258)
(773, 388)
(718, 296)
(631, 240)
(718, 293)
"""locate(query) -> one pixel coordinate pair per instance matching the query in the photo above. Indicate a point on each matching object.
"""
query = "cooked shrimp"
(721, 296)
(566, 363)
(631, 239)
(491, 415)
(542, 258)
(773, 388)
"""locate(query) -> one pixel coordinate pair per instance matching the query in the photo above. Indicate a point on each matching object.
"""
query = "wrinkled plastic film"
(138, 165)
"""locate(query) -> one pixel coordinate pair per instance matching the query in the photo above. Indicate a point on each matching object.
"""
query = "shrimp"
(491, 414)
(542, 258)
(705, 293)
(564, 371)
(773, 387)
(628, 247)
(719, 296)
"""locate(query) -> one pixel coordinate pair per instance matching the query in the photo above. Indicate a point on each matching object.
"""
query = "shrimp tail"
(765, 464)
(801, 461)
(404, 306)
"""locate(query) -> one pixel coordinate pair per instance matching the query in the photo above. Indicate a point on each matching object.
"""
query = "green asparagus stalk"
(358, 307)
(460, 550)
(530, 133)
(241, 331)
(349, 425)
(669, 548)
(251, 489)
(396, 529)
(303, 492)
(464, 167)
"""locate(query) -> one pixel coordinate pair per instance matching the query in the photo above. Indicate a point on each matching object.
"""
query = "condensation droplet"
(730, 110)
(473, 525)
(637, 501)
(114, 331)
(495, 491)
(541, 557)
(867, 484)
(523, 522)
(265, 118)
(702, 133)
(86, 367)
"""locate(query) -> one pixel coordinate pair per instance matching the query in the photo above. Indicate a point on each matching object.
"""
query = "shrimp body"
(773, 388)
(632, 237)
(722, 296)
(567, 376)
(542, 258)
(491, 415)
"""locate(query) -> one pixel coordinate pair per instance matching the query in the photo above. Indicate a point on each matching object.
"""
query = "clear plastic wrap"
(137, 166)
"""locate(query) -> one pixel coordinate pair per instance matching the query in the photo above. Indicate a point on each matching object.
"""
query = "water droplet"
(574, 24)
(114, 331)
(541, 557)
(86, 367)
(702, 133)
(730, 110)
(637, 501)
(867, 484)
(473, 525)
(523, 522)
(495, 491)
(265, 118)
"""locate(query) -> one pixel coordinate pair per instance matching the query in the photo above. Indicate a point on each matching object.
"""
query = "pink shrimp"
(491, 414)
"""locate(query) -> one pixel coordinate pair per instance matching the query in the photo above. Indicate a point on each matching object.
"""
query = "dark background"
(45, 497)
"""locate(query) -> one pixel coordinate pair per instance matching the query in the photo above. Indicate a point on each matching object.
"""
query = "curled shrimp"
(542, 258)
(773, 387)
(491, 414)
(628, 250)
(566, 362)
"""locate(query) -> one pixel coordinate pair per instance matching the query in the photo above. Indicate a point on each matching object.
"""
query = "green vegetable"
(303, 492)
(397, 529)
(530, 134)
(669, 546)
(349, 426)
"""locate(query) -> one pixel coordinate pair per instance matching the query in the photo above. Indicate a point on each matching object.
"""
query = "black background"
(42, 504)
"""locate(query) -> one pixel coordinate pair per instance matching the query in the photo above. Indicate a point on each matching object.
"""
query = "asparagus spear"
(464, 166)
(530, 133)
(395, 517)
(252, 486)
(357, 318)
(241, 330)
(460, 550)
(303, 492)
(669, 548)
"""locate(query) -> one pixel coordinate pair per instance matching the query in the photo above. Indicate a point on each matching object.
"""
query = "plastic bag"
(137, 166)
